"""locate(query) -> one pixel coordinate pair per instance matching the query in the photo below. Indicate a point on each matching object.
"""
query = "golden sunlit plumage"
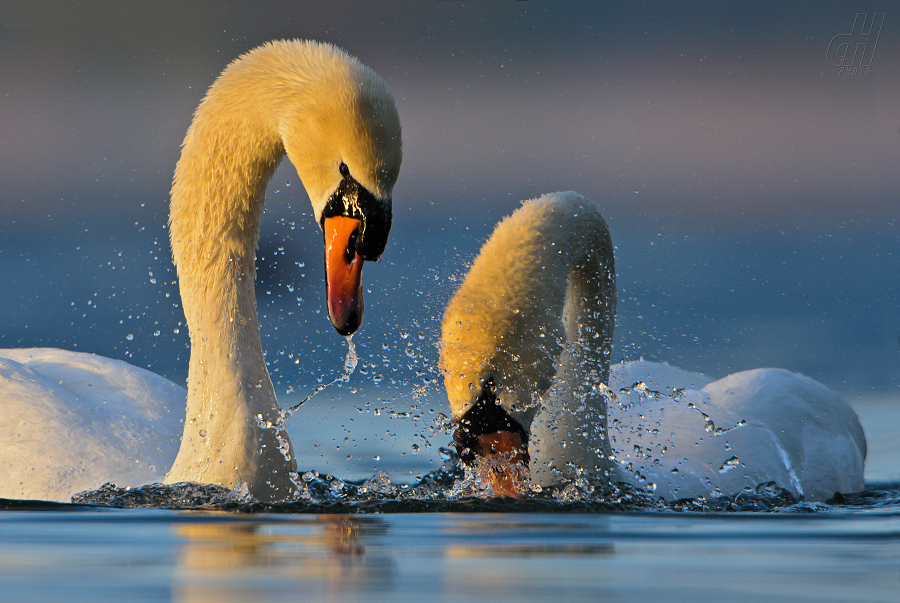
(336, 121)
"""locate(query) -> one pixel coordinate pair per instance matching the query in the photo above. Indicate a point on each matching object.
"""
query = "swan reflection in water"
(247, 561)
(319, 556)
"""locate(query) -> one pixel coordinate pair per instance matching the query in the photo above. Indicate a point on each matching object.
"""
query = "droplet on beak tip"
(349, 325)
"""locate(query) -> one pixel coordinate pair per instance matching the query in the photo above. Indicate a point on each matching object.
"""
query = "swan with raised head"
(525, 354)
(73, 421)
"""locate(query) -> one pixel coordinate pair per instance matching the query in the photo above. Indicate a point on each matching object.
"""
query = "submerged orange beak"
(343, 273)
(502, 463)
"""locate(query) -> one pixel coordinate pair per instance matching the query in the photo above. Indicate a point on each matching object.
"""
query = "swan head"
(341, 131)
(336, 121)
(492, 375)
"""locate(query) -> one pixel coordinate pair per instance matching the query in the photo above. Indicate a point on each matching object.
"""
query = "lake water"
(348, 547)
(436, 550)
(77, 553)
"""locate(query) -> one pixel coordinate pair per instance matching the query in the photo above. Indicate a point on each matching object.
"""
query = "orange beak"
(343, 273)
(503, 464)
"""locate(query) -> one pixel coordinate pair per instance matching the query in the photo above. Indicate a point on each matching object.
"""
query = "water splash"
(350, 362)
(279, 429)
(452, 489)
(730, 464)
(710, 426)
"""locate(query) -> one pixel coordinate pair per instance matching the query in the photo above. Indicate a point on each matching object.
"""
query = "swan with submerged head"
(74, 421)
(526, 344)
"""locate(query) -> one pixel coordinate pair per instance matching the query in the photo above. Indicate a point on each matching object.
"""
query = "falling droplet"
(729, 464)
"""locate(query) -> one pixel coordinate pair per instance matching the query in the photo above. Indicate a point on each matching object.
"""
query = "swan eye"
(345, 171)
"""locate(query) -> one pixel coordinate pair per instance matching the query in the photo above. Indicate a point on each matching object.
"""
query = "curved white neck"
(230, 153)
(330, 114)
(569, 429)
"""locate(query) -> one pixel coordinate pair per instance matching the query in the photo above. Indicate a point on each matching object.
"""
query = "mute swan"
(526, 343)
(337, 122)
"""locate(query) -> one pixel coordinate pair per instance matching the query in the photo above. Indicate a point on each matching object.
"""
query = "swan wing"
(732, 434)
(72, 421)
(817, 435)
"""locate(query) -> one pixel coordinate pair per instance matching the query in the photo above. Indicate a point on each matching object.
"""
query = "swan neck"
(233, 429)
(590, 310)
(542, 284)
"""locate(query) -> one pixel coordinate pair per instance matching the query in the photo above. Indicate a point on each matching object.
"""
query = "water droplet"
(129, 337)
(202, 433)
(729, 464)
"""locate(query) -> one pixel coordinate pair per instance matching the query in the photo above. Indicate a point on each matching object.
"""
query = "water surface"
(406, 536)
(78, 553)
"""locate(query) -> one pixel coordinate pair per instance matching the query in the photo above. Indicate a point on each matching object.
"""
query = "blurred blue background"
(750, 186)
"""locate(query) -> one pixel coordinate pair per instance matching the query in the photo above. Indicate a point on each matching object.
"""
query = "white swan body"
(336, 121)
(72, 421)
(751, 427)
(675, 433)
